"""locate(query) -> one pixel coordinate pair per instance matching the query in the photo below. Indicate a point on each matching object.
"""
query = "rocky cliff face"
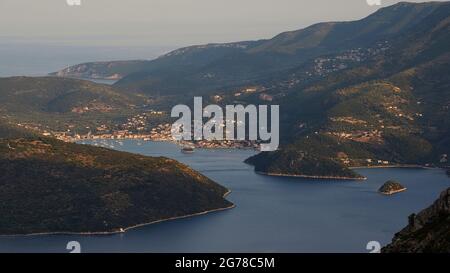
(428, 231)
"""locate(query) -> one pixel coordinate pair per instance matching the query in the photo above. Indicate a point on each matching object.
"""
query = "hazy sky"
(167, 22)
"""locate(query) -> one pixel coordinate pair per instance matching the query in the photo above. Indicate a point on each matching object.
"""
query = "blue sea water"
(19, 58)
(272, 214)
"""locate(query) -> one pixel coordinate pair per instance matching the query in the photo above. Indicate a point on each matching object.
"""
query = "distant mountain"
(207, 68)
(385, 23)
(49, 186)
(427, 232)
(102, 70)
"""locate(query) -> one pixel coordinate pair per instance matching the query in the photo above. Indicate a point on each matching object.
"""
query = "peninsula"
(49, 186)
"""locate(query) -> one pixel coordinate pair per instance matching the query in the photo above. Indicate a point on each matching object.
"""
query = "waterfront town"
(138, 127)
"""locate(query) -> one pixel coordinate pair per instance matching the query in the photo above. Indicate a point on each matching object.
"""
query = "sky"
(167, 23)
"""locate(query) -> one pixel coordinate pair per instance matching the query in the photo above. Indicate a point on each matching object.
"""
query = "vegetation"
(427, 232)
(372, 92)
(8, 131)
(55, 103)
(297, 163)
(391, 187)
(206, 68)
(391, 109)
(50, 186)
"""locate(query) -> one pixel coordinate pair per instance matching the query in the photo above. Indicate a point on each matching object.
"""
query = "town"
(140, 128)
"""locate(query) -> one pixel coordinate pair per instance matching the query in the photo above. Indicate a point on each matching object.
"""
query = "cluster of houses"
(162, 132)
(360, 136)
(377, 161)
(226, 144)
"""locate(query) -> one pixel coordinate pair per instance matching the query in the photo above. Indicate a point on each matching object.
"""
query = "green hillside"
(51, 186)
(55, 95)
(402, 119)
(390, 109)
(57, 103)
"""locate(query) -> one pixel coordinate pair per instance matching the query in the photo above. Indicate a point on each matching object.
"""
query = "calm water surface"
(273, 214)
(32, 58)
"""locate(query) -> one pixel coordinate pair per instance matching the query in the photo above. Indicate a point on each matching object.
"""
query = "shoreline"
(77, 141)
(124, 229)
(392, 192)
(318, 177)
(406, 166)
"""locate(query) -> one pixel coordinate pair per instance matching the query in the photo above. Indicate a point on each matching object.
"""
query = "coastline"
(148, 139)
(314, 176)
(124, 230)
(319, 177)
(394, 166)
(392, 192)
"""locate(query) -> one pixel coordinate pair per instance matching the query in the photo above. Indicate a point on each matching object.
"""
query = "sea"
(272, 214)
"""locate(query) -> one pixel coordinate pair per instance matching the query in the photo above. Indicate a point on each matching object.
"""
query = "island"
(48, 186)
(391, 187)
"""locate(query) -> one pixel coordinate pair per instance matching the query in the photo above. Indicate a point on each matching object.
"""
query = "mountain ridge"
(204, 68)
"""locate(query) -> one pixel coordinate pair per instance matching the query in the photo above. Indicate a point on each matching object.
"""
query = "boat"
(187, 150)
